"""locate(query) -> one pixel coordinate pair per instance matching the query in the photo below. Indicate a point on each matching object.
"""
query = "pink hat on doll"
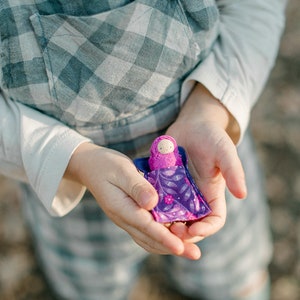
(164, 153)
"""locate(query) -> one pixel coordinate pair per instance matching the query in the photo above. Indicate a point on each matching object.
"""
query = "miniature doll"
(166, 169)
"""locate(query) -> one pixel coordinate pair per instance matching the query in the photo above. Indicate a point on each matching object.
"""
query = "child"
(86, 86)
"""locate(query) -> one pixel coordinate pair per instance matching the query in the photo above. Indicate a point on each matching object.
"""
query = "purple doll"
(166, 169)
(164, 153)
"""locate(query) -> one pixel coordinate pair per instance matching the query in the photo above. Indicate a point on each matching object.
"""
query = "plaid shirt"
(117, 72)
(112, 70)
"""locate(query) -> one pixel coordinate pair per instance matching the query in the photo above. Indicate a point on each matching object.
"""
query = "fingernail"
(244, 189)
(147, 199)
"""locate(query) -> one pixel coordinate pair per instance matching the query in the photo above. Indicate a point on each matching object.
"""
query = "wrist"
(208, 109)
(75, 170)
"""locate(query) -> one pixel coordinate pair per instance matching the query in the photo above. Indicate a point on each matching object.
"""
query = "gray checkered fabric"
(110, 69)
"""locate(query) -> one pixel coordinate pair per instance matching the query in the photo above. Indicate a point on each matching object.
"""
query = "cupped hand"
(126, 198)
(203, 128)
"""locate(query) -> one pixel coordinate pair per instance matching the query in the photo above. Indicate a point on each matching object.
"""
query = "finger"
(153, 235)
(149, 234)
(156, 238)
(139, 223)
(205, 227)
(181, 230)
(189, 250)
(231, 168)
(213, 222)
(137, 187)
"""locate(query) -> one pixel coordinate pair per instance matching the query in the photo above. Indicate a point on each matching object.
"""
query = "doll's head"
(164, 153)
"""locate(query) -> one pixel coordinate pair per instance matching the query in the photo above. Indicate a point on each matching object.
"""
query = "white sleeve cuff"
(219, 85)
(59, 195)
(46, 148)
(237, 68)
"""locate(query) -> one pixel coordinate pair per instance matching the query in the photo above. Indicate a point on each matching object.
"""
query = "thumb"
(139, 189)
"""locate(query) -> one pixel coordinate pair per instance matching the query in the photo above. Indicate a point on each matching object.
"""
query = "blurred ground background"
(275, 125)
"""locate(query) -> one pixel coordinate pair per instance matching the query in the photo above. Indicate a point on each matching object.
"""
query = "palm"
(212, 162)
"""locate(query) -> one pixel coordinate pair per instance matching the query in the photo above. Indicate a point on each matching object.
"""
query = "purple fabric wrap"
(179, 197)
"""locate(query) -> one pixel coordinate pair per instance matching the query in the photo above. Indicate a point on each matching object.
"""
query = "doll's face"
(165, 147)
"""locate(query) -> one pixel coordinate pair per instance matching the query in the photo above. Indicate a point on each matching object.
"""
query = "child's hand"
(206, 130)
(125, 196)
